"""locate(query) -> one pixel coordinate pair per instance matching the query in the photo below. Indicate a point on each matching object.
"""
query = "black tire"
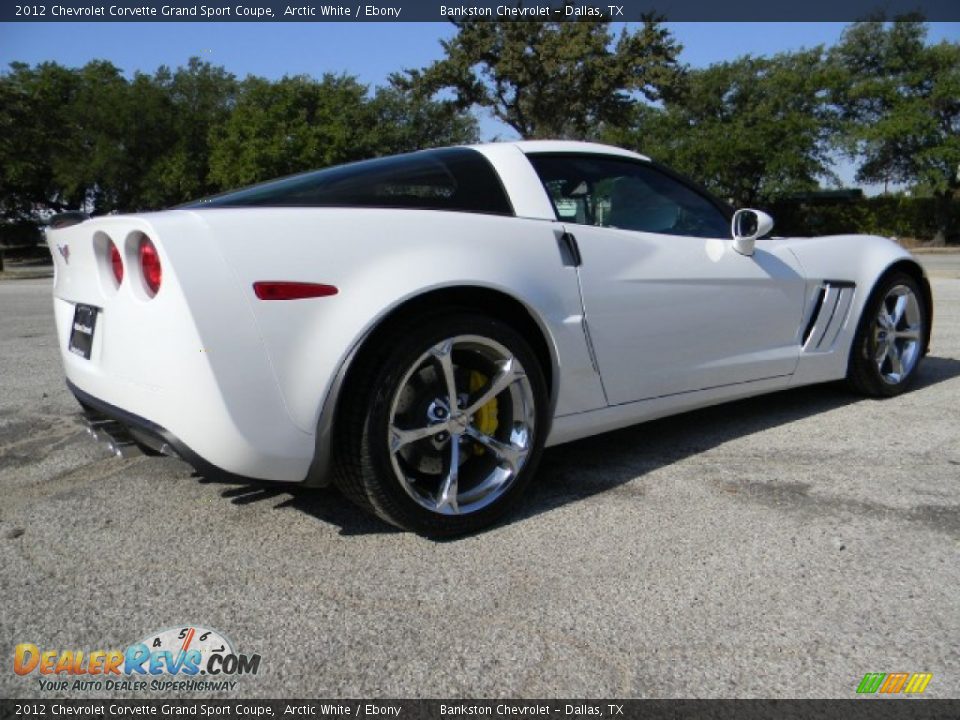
(865, 373)
(364, 466)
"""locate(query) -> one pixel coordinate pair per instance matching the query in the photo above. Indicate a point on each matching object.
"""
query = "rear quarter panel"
(378, 258)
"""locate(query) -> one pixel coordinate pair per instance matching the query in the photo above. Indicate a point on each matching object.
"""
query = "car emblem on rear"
(65, 252)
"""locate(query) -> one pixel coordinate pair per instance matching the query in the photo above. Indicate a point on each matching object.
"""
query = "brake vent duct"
(828, 315)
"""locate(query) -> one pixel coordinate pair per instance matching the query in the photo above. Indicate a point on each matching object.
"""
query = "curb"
(27, 275)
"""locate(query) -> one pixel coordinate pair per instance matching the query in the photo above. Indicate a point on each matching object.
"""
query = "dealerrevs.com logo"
(187, 658)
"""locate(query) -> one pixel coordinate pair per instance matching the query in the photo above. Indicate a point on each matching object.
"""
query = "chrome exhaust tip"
(167, 451)
(112, 435)
(123, 449)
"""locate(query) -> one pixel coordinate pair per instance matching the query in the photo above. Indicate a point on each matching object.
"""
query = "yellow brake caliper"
(485, 419)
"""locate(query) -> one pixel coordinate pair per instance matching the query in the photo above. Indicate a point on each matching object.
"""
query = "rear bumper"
(236, 424)
(191, 358)
(155, 437)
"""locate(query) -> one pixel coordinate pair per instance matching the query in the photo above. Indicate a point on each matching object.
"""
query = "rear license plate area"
(82, 329)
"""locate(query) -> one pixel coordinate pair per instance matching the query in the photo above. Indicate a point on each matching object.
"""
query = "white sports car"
(415, 329)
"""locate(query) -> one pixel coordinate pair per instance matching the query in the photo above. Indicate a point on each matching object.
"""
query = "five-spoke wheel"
(897, 334)
(450, 424)
(461, 424)
(890, 338)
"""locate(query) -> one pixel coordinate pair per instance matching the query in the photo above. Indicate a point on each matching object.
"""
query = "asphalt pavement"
(941, 264)
(777, 547)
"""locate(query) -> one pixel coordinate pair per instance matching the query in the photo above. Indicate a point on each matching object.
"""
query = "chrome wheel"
(897, 335)
(461, 425)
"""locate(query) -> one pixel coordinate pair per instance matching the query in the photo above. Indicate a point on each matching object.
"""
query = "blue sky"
(368, 50)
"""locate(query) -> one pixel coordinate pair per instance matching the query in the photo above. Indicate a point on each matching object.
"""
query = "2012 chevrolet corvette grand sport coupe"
(416, 329)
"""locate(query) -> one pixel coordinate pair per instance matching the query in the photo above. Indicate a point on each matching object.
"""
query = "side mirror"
(746, 227)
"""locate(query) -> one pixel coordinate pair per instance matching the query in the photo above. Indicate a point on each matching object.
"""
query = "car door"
(671, 307)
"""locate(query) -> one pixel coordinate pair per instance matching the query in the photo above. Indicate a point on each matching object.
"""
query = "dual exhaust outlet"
(119, 440)
(113, 436)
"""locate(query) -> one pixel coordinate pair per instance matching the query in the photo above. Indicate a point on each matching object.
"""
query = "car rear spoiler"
(66, 219)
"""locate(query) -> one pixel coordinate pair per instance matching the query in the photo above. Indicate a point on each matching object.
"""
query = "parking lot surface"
(777, 547)
(941, 264)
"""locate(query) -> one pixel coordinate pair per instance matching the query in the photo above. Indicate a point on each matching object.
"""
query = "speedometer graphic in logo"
(182, 640)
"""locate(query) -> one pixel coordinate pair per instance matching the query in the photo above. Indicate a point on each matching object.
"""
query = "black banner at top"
(493, 10)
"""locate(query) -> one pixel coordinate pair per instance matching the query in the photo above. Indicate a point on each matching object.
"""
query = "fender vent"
(828, 315)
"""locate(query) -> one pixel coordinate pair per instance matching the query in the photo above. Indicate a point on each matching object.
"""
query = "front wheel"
(442, 429)
(889, 343)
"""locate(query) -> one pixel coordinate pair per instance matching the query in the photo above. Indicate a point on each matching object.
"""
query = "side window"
(625, 194)
(455, 179)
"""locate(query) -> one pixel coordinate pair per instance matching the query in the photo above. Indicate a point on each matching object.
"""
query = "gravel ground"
(776, 547)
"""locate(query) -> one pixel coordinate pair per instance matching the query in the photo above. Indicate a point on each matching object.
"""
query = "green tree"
(199, 100)
(298, 123)
(554, 79)
(35, 127)
(90, 170)
(90, 139)
(408, 119)
(900, 100)
(293, 124)
(751, 129)
(151, 135)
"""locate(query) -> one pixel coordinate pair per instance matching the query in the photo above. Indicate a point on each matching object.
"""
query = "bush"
(891, 216)
(21, 241)
(20, 235)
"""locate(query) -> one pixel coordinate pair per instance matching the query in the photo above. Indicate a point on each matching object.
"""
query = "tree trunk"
(941, 219)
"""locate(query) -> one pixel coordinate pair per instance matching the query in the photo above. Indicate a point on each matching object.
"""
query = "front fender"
(862, 260)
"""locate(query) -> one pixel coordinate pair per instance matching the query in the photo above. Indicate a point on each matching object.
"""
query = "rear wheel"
(442, 429)
(889, 343)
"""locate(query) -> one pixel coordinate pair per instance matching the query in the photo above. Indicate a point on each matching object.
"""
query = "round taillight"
(150, 265)
(116, 262)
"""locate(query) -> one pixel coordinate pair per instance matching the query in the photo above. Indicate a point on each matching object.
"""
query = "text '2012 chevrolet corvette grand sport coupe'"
(416, 329)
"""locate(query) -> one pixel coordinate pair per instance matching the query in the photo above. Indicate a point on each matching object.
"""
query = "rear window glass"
(458, 179)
